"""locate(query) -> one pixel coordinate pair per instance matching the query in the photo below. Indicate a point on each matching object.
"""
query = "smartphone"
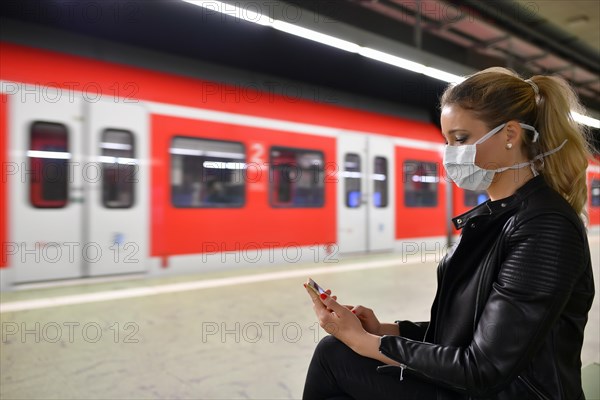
(314, 286)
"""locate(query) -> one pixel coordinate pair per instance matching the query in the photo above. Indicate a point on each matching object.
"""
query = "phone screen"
(314, 286)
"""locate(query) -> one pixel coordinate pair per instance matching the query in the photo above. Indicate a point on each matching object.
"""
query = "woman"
(513, 294)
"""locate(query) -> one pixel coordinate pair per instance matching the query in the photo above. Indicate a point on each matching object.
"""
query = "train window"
(475, 197)
(420, 184)
(296, 178)
(207, 173)
(48, 159)
(352, 180)
(595, 193)
(119, 168)
(380, 182)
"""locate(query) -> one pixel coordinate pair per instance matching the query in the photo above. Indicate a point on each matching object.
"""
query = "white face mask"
(459, 162)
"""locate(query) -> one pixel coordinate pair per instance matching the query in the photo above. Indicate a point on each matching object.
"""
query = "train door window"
(296, 178)
(380, 182)
(420, 184)
(48, 159)
(475, 197)
(119, 168)
(207, 173)
(595, 193)
(352, 180)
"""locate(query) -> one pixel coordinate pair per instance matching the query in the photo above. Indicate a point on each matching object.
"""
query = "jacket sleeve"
(412, 330)
(544, 258)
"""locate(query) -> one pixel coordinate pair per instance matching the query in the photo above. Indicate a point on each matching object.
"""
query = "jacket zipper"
(532, 388)
(437, 314)
(425, 376)
(402, 366)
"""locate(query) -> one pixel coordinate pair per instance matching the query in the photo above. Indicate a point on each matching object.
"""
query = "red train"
(110, 168)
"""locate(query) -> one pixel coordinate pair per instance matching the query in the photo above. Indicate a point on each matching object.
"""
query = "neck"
(507, 182)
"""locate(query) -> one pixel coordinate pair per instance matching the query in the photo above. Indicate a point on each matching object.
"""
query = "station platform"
(235, 334)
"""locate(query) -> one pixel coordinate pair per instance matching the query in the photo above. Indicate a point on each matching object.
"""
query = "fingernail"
(304, 285)
(354, 311)
(323, 296)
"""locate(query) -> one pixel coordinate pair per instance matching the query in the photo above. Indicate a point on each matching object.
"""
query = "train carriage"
(111, 169)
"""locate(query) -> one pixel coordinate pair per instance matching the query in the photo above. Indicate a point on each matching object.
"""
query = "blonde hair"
(497, 95)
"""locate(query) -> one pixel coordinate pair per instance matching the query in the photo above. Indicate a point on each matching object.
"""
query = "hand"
(367, 318)
(336, 319)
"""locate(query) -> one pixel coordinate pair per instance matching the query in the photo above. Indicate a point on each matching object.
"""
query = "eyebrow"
(453, 131)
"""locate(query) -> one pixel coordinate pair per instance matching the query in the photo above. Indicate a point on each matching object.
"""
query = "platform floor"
(221, 335)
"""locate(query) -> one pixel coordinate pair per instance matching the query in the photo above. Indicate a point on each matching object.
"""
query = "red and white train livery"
(109, 168)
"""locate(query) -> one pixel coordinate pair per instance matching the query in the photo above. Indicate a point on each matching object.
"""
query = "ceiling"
(579, 18)
(531, 37)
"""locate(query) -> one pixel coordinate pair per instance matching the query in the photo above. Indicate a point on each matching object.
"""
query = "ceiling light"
(257, 18)
(316, 36)
(578, 20)
(585, 120)
(233, 11)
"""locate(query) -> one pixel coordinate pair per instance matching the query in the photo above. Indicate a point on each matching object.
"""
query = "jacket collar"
(500, 206)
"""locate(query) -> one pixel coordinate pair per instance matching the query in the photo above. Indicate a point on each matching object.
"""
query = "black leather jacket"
(511, 305)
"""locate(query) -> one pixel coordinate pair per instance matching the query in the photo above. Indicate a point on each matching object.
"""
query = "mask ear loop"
(534, 169)
(490, 133)
(536, 134)
(540, 157)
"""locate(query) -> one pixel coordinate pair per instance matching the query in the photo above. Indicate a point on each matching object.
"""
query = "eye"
(462, 139)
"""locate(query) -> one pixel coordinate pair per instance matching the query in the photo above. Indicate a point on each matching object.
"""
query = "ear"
(513, 132)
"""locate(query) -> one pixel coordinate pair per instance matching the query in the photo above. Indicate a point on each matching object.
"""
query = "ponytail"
(497, 95)
(565, 171)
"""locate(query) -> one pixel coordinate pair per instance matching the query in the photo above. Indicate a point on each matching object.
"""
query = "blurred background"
(173, 171)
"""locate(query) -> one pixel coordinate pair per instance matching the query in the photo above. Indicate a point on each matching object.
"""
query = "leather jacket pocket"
(532, 388)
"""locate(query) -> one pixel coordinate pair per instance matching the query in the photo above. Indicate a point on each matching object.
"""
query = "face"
(460, 127)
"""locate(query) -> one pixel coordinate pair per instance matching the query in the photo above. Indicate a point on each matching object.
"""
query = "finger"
(314, 297)
(317, 302)
(310, 291)
(351, 308)
(334, 297)
(333, 305)
(360, 311)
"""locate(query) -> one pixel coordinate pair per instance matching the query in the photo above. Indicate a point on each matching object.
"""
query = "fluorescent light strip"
(55, 155)
(115, 146)
(585, 120)
(223, 165)
(316, 36)
(117, 160)
(257, 18)
(233, 11)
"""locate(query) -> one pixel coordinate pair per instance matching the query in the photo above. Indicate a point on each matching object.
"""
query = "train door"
(365, 193)
(117, 187)
(45, 185)
(352, 197)
(381, 207)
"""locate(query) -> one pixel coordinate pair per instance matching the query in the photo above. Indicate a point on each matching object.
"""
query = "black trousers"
(337, 372)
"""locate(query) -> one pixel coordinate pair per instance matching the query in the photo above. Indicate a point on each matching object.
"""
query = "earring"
(508, 146)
